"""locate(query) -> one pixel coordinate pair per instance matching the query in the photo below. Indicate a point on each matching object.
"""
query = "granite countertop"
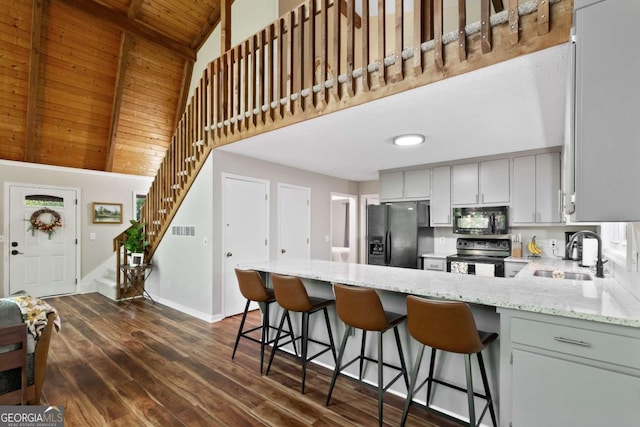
(600, 300)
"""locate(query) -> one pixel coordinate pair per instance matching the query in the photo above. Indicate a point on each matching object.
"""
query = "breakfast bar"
(586, 329)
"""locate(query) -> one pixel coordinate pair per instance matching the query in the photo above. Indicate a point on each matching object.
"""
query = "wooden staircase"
(319, 59)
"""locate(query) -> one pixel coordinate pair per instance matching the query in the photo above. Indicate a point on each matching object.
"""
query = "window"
(614, 241)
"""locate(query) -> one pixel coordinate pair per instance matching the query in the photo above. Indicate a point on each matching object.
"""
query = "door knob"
(283, 250)
(16, 252)
(229, 254)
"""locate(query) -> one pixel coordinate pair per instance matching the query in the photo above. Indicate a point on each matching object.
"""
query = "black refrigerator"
(397, 233)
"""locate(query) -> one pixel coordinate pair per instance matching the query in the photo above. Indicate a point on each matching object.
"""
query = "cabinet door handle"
(574, 342)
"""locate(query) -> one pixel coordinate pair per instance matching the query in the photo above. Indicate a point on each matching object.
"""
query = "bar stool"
(361, 308)
(253, 289)
(292, 296)
(448, 326)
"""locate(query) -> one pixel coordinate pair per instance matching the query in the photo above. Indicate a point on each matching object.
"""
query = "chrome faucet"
(599, 261)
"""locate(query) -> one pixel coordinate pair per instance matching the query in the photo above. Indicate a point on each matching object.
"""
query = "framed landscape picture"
(106, 213)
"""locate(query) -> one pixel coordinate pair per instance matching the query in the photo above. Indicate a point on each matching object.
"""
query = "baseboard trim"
(187, 310)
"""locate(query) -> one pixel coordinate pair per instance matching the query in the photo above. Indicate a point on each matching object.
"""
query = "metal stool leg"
(336, 371)
(487, 392)
(472, 408)
(380, 378)
(244, 317)
(305, 346)
(362, 346)
(275, 343)
(401, 354)
(412, 386)
(293, 341)
(432, 363)
(265, 334)
(333, 347)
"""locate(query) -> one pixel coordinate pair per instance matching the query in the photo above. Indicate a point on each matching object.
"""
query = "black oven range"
(482, 257)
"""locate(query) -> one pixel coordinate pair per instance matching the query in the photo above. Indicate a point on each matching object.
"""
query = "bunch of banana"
(533, 248)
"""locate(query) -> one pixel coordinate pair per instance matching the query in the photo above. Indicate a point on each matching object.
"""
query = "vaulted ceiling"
(97, 84)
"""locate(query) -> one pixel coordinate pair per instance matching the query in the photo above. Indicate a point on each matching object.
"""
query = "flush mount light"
(409, 139)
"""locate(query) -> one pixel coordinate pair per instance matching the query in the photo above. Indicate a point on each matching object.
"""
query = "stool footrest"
(456, 387)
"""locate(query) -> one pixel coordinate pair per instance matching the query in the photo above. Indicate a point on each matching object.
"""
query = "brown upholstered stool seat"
(253, 289)
(448, 326)
(362, 309)
(291, 295)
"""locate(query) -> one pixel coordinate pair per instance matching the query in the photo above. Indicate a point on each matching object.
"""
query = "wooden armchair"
(16, 337)
(33, 391)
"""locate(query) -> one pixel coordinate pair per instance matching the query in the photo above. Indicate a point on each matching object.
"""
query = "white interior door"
(246, 232)
(294, 222)
(42, 263)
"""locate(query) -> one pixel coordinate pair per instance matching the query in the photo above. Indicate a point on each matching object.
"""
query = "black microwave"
(481, 220)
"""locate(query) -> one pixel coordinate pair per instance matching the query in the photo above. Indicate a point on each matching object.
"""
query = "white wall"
(182, 274)
(247, 17)
(94, 187)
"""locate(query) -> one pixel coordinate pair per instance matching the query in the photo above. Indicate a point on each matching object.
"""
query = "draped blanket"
(34, 313)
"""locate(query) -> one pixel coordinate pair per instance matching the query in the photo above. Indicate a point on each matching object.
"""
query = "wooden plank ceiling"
(97, 84)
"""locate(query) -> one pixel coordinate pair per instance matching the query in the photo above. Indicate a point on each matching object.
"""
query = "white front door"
(40, 262)
(246, 233)
(294, 222)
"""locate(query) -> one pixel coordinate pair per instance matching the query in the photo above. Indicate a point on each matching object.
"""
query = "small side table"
(135, 276)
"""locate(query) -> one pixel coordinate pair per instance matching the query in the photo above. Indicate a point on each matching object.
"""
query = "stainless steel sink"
(559, 274)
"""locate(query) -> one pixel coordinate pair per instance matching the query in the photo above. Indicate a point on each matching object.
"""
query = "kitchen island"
(595, 310)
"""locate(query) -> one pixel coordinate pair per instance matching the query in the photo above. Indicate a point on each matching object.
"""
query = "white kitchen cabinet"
(536, 189)
(486, 182)
(605, 100)
(511, 268)
(559, 371)
(405, 185)
(391, 185)
(441, 196)
(417, 184)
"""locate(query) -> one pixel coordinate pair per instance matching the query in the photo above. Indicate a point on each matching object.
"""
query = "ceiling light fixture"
(408, 139)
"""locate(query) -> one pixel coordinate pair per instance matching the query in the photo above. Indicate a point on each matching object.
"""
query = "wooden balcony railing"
(319, 58)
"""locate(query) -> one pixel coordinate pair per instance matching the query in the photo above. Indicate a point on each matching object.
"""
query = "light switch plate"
(92, 236)
(1, 239)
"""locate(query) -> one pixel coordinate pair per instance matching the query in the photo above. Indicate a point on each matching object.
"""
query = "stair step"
(106, 287)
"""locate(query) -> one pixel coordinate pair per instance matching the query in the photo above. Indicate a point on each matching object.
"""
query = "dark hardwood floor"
(151, 365)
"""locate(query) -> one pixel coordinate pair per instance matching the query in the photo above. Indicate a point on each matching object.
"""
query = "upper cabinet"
(486, 182)
(405, 185)
(536, 189)
(441, 196)
(606, 95)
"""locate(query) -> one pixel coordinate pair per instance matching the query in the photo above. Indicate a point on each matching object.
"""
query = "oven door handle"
(492, 221)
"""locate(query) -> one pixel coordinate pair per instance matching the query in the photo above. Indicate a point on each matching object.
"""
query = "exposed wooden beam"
(184, 91)
(225, 27)
(31, 149)
(208, 27)
(125, 47)
(134, 8)
(133, 27)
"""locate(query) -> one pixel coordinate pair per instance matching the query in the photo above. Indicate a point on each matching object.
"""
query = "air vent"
(183, 230)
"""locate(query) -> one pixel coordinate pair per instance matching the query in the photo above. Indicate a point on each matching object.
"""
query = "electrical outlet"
(442, 240)
(554, 242)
